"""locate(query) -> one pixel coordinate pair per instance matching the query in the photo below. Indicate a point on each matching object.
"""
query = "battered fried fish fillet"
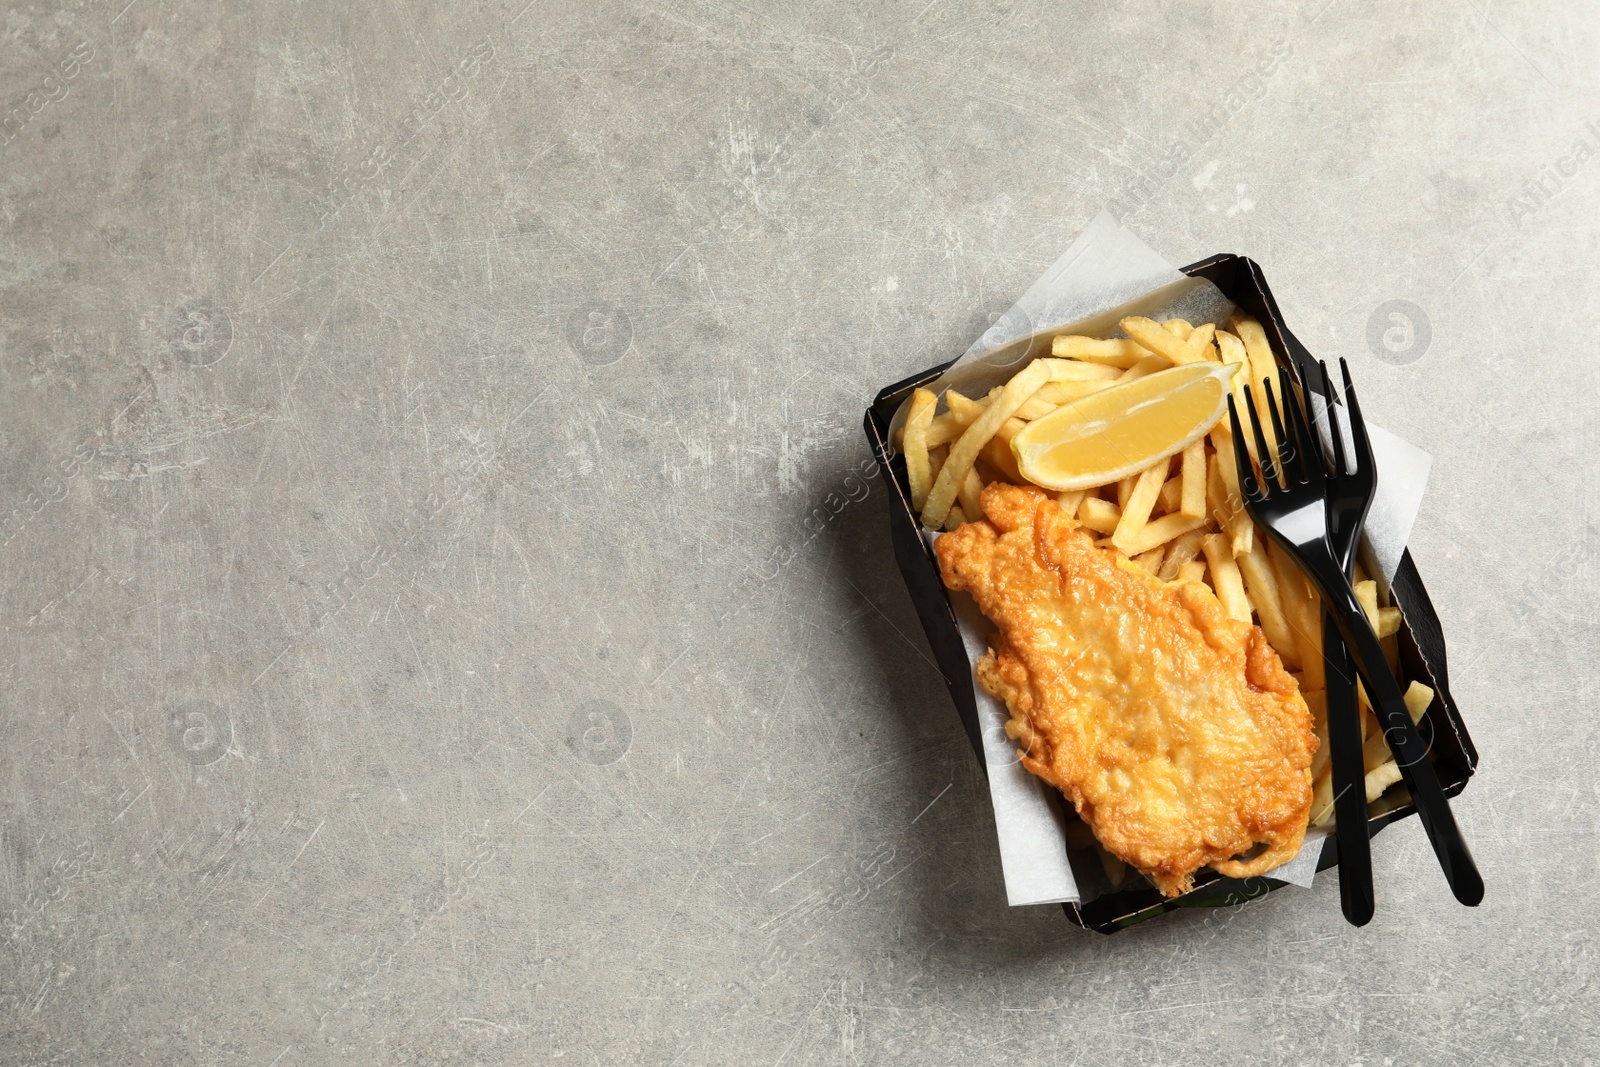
(1173, 729)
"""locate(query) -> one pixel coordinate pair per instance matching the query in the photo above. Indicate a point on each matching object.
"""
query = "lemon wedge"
(1116, 432)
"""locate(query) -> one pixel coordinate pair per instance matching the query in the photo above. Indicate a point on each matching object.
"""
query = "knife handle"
(1410, 752)
(1349, 778)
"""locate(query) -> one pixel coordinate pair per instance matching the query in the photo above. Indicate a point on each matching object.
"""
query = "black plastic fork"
(1350, 492)
(1295, 515)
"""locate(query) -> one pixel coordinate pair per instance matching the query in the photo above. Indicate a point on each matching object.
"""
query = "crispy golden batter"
(1173, 729)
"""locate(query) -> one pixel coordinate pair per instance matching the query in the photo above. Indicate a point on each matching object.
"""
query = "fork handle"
(1411, 753)
(1349, 779)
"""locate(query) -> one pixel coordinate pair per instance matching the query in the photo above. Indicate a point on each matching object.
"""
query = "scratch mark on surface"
(669, 266)
(931, 803)
(796, 874)
(124, 411)
(257, 278)
(305, 846)
(269, 666)
(474, 1021)
(531, 803)
(892, 626)
(132, 802)
(669, 666)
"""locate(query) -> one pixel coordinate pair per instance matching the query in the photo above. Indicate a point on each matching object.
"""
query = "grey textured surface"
(393, 664)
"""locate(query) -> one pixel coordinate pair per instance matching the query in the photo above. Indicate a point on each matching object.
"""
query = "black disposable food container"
(1422, 650)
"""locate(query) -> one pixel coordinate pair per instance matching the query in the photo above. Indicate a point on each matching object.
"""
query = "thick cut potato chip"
(1171, 494)
(915, 444)
(1367, 593)
(1381, 778)
(1389, 620)
(1201, 342)
(1180, 550)
(1222, 494)
(1225, 578)
(1159, 340)
(1068, 370)
(1057, 393)
(1117, 352)
(1141, 501)
(1159, 532)
(1193, 499)
(1231, 350)
(1151, 560)
(1069, 500)
(1317, 701)
(944, 429)
(1263, 369)
(1148, 365)
(997, 452)
(1098, 515)
(1262, 584)
(1303, 612)
(971, 489)
(1322, 799)
(965, 408)
(1418, 698)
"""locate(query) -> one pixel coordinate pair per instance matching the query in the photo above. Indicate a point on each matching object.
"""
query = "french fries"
(1101, 516)
(1263, 369)
(1136, 511)
(1225, 579)
(970, 490)
(965, 452)
(1224, 496)
(916, 445)
(1232, 352)
(1180, 551)
(1148, 365)
(1125, 490)
(1180, 519)
(1116, 352)
(1160, 532)
(1193, 500)
(1262, 585)
(1151, 560)
(1171, 495)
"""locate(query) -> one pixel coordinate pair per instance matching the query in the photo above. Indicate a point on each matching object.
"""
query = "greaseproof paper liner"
(1106, 275)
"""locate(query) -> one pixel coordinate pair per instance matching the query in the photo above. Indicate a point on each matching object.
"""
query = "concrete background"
(402, 407)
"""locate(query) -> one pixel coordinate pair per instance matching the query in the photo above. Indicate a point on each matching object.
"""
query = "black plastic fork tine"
(1277, 424)
(1241, 456)
(1290, 457)
(1308, 457)
(1269, 471)
(1361, 446)
(1333, 417)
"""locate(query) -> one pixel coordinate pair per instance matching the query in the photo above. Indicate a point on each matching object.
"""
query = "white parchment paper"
(1107, 274)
